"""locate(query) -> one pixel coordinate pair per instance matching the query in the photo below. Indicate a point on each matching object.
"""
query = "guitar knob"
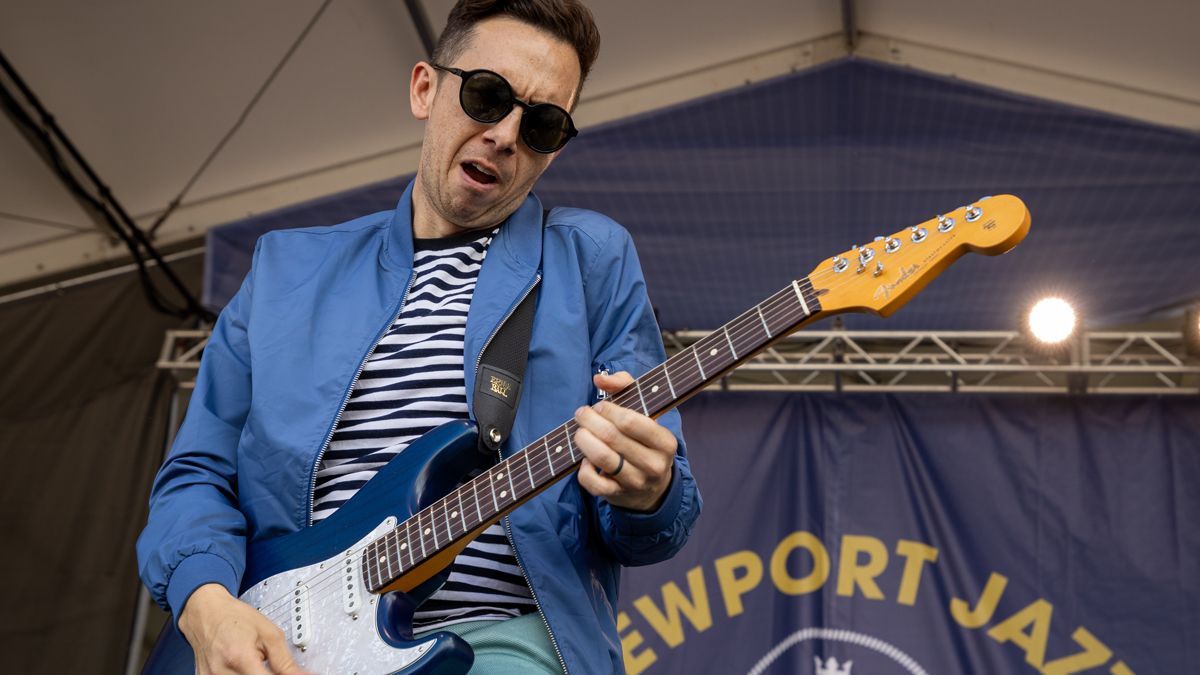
(918, 234)
(891, 245)
(973, 213)
(945, 224)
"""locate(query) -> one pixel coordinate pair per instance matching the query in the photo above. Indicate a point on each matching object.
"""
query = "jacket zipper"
(511, 310)
(507, 525)
(362, 364)
(536, 603)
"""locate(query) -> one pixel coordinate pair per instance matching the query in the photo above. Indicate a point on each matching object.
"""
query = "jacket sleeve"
(625, 336)
(196, 533)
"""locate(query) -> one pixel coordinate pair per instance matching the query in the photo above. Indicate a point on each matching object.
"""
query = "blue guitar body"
(309, 582)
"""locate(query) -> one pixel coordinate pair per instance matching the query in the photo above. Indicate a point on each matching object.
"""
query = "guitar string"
(744, 325)
(556, 437)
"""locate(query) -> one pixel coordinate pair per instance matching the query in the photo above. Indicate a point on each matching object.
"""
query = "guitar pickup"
(302, 627)
(351, 586)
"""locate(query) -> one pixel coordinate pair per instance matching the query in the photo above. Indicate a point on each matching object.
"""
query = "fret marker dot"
(403, 545)
(454, 514)
(558, 449)
(427, 530)
(712, 352)
(500, 475)
(504, 493)
(654, 389)
(383, 558)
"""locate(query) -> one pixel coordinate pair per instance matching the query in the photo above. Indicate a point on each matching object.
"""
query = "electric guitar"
(344, 590)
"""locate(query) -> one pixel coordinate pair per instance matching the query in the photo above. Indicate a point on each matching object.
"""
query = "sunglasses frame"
(464, 75)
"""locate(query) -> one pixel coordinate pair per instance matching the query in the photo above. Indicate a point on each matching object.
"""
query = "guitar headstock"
(881, 276)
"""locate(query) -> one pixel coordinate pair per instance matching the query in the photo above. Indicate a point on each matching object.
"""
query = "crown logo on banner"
(831, 666)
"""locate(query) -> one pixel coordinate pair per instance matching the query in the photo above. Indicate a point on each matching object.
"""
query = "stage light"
(1051, 321)
(1191, 331)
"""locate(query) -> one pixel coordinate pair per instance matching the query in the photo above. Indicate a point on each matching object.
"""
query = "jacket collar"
(519, 241)
(512, 262)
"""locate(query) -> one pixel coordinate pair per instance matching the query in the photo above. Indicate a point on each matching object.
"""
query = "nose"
(504, 134)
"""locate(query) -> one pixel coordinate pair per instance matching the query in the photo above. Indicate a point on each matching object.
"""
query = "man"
(307, 384)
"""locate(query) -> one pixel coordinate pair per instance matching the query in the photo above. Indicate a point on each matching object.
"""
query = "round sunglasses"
(487, 97)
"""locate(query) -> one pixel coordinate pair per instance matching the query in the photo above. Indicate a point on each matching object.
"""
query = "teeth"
(480, 169)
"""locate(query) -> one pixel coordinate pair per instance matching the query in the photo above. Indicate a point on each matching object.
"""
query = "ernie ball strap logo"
(500, 387)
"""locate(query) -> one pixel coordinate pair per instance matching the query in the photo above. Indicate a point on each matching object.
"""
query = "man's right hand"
(229, 636)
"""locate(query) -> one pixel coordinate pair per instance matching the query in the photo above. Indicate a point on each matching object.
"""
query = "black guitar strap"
(501, 371)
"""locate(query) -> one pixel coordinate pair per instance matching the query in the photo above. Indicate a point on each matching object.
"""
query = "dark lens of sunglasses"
(486, 97)
(545, 128)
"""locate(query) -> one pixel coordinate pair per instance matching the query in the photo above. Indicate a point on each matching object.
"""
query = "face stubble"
(446, 199)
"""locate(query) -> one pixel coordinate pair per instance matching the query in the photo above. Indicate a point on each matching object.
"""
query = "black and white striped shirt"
(413, 382)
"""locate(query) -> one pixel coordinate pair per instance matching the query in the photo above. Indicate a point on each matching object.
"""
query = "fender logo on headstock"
(886, 289)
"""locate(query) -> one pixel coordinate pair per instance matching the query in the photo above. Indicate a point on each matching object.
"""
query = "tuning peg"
(879, 268)
(973, 213)
(840, 264)
(918, 234)
(865, 255)
(945, 224)
(891, 245)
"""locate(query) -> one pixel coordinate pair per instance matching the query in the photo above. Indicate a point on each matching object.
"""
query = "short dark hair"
(567, 20)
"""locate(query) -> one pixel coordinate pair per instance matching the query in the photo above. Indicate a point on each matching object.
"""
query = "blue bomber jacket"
(284, 354)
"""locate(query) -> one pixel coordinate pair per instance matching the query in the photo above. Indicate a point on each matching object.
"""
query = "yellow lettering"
(975, 618)
(1094, 653)
(733, 586)
(784, 581)
(915, 556)
(851, 573)
(634, 663)
(1036, 618)
(668, 624)
(1119, 668)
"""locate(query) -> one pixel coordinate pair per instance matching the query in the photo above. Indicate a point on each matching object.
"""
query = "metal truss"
(957, 361)
(965, 362)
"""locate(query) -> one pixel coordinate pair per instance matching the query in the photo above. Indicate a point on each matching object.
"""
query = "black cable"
(44, 133)
(174, 204)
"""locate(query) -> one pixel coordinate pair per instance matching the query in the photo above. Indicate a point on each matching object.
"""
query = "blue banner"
(870, 534)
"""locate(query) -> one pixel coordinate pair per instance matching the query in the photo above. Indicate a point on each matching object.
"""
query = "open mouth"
(477, 173)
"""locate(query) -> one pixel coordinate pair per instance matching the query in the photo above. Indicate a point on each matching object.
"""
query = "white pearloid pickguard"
(325, 637)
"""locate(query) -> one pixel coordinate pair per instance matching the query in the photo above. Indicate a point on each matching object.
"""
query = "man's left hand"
(628, 457)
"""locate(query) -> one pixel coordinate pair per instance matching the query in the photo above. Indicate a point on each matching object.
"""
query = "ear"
(421, 90)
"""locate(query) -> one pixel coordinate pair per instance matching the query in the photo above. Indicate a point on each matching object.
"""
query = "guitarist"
(326, 364)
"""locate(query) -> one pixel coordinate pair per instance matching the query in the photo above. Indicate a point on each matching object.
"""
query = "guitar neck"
(462, 513)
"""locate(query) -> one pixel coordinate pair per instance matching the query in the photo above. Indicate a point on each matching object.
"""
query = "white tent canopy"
(148, 90)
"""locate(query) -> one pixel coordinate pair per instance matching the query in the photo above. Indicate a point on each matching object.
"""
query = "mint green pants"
(517, 646)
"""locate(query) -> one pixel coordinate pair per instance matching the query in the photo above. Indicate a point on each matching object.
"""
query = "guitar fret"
(408, 543)
(433, 529)
(696, 353)
(375, 560)
(570, 445)
(549, 459)
(492, 489)
(730, 341)
(421, 535)
(446, 516)
(475, 493)
(529, 468)
(638, 385)
(764, 320)
(387, 557)
(667, 374)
